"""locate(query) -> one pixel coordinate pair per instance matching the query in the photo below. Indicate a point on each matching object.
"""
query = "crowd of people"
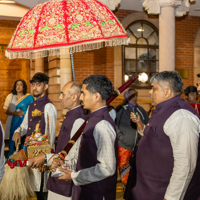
(157, 154)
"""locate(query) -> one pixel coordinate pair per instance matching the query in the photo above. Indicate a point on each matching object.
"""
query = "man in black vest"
(97, 161)
(39, 85)
(70, 94)
(168, 154)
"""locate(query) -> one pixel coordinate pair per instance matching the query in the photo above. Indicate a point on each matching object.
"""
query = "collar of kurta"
(167, 102)
(71, 112)
(42, 98)
(99, 112)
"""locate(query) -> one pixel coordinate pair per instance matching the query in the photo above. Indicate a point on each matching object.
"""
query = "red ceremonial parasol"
(53, 27)
(60, 24)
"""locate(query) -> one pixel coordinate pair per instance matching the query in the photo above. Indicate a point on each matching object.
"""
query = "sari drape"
(21, 104)
(123, 164)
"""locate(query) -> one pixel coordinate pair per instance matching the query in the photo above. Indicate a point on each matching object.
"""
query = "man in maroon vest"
(2, 158)
(70, 94)
(168, 155)
(39, 85)
(97, 161)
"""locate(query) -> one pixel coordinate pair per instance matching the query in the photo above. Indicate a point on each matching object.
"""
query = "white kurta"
(104, 136)
(73, 154)
(183, 129)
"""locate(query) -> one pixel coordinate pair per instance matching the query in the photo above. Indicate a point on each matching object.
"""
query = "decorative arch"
(135, 16)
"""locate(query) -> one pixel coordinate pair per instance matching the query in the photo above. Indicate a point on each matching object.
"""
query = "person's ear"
(97, 97)
(46, 86)
(74, 97)
(167, 93)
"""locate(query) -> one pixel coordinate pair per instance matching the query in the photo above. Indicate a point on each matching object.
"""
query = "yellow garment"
(8, 99)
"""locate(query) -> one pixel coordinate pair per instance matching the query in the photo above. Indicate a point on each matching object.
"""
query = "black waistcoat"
(88, 158)
(154, 158)
(39, 104)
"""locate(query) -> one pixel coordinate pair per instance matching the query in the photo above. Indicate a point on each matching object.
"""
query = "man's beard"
(37, 95)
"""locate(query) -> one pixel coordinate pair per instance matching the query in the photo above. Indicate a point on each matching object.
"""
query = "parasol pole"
(72, 64)
(79, 132)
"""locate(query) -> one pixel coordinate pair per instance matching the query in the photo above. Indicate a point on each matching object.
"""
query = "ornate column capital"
(112, 4)
(154, 6)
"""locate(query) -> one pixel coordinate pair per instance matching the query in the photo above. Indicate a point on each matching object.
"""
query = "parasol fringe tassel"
(65, 51)
(16, 184)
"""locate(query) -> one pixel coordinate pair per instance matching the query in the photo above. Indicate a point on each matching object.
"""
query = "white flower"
(79, 17)
(52, 21)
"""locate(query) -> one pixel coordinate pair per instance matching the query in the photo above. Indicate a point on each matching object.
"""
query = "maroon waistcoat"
(154, 158)
(54, 184)
(39, 104)
(88, 158)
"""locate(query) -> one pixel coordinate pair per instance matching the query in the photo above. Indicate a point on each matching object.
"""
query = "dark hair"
(173, 79)
(190, 89)
(40, 78)
(198, 75)
(100, 84)
(14, 91)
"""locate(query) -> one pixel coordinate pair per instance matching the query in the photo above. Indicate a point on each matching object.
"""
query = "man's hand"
(56, 163)
(42, 168)
(17, 138)
(137, 120)
(37, 161)
(134, 118)
(67, 176)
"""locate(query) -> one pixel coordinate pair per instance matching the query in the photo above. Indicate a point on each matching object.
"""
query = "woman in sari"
(15, 106)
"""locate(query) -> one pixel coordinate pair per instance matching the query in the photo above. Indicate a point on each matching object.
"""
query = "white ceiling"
(125, 4)
(137, 5)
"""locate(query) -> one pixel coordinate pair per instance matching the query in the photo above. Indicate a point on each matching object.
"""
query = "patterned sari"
(123, 164)
(21, 104)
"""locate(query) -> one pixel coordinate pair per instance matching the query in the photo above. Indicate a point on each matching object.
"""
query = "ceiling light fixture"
(143, 77)
(8, 2)
(140, 29)
(126, 77)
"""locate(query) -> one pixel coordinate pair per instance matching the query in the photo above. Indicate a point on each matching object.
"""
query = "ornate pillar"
(65, 73)
(39, 65)
(65, 70)
(167, 37)
(167, 10)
